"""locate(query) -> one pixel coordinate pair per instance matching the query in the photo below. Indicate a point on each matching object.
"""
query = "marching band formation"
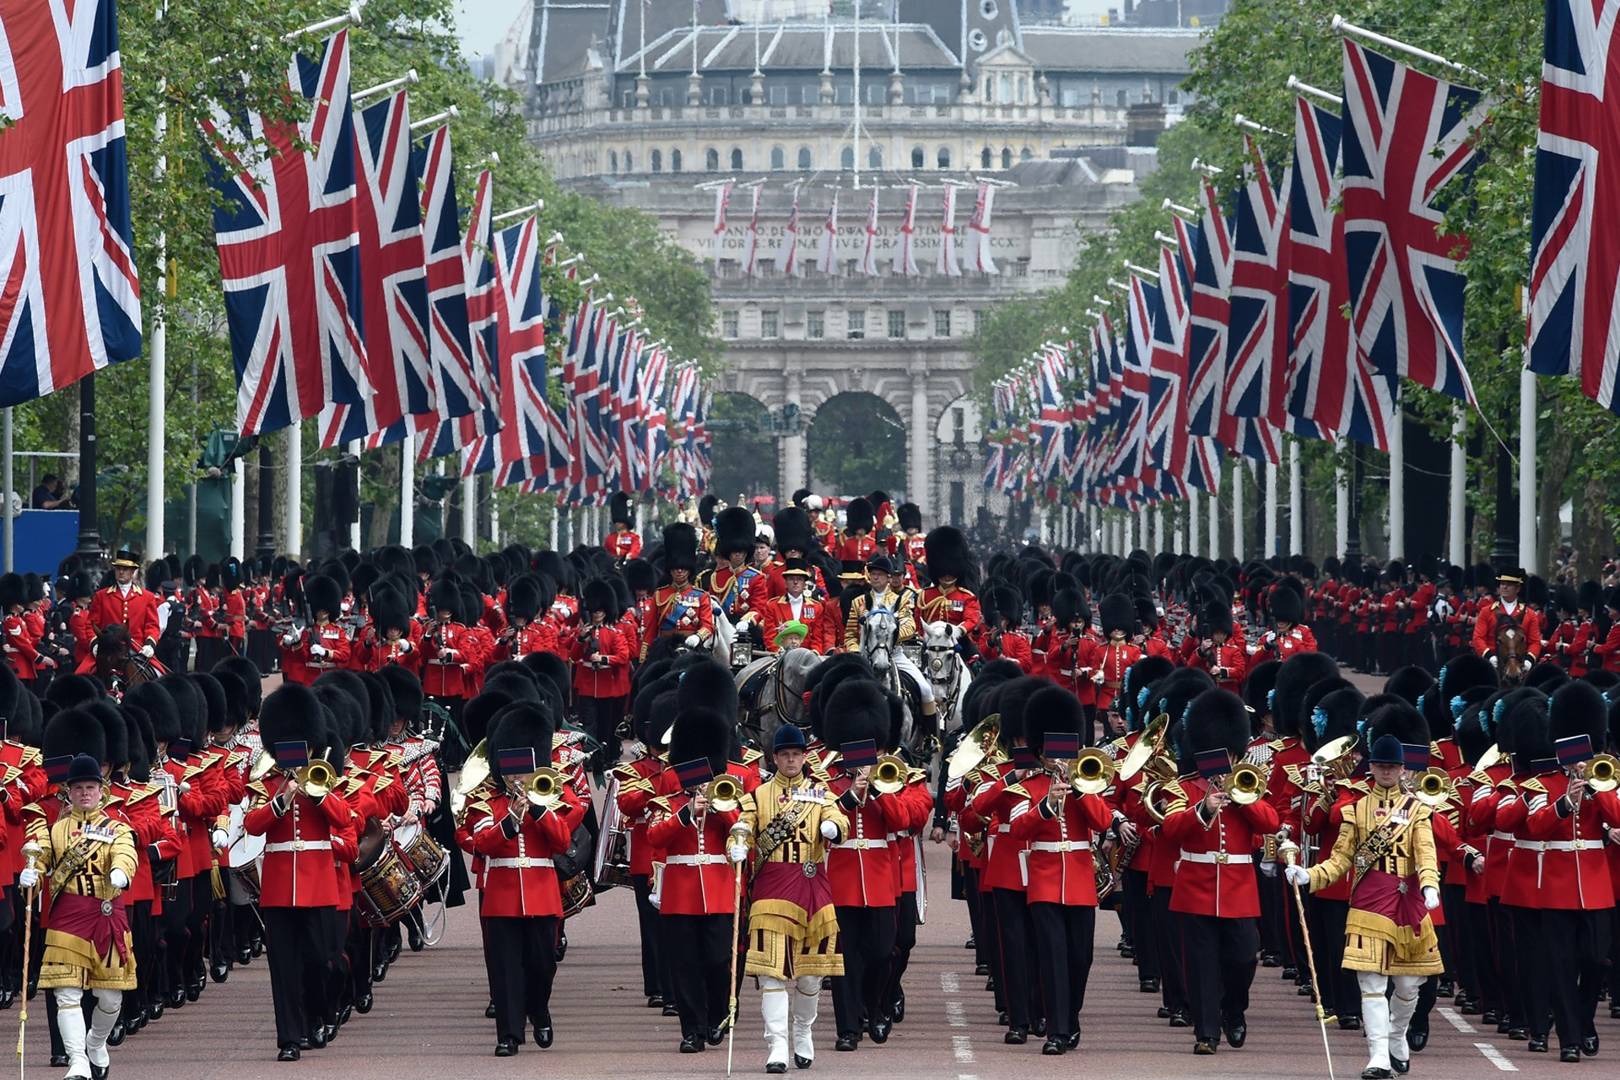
(756, 726)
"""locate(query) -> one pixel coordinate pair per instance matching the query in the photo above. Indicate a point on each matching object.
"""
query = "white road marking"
(963, 1046)
(1494, 1056)
(949, 982)
(1455, 1020)
(956, 1014)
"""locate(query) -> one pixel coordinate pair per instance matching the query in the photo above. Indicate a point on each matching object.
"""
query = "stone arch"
(856, 442)
(744, 446)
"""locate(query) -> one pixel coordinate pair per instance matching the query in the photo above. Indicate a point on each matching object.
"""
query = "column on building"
(793, 463)
(921, 438)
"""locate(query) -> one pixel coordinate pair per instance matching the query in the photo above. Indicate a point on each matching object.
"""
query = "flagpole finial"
(1103, 300)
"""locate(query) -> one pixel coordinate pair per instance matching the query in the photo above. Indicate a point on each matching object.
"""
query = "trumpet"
(889, 774)
(1091, 772)
(1433, 788)
(724, 793)
(314, 779)
(1245, 784)
(544, 788)
(1602, 773)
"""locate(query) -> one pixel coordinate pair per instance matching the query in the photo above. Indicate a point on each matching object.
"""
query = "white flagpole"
(292, 544)
(350, 17)
(1237, 511)
(1397, 485)
(1193, 522)
(1296, 501)
(238, 508)
(1527, 472)
(1341, 512)
(356, 447)
(157, 417)
(469, 510)
(407, 491)
(10, 536)
(1269, 547)
(1215, 525)
(1457, 502)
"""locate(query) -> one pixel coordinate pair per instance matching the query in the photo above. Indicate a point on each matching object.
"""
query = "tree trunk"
(385, 487)
(1557, 456)
(1592, 536)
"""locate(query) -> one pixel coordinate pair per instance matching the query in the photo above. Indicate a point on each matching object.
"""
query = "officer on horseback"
(886, 592)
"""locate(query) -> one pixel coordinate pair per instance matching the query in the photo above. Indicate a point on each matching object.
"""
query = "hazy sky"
(481, 23)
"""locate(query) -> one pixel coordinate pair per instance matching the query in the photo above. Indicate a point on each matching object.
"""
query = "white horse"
(947, 672)
(880, 644)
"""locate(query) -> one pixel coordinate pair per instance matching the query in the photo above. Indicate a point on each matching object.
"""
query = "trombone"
(1245, 784)
(315, 779)
(724, 793)
(544, 787)
(889, 774)
(1091, 772)
(1602, 773)
(1433, 788)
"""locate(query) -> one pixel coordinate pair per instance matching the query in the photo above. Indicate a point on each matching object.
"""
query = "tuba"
(1147, 746)
(473, 774)
(976, 746)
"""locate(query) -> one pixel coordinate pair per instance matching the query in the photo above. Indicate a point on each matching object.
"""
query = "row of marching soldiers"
(138, 899)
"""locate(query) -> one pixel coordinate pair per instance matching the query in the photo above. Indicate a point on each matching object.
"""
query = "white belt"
(694, 860)
(1531, 845)
(521, 863)
(1213, 857)
(1003, 828)
(862, 845)
(300, 845)
(1060, 845)
(1507, 836)
(1572, 845)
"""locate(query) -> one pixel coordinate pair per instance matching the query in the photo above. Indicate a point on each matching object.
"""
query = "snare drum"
(244, 857)
(426, 857)
(388, 889)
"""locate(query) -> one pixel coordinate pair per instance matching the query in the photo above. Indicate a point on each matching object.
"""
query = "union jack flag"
(71, 302)
(655, 417)
(1406, 136)
(289, 254)
(1211, 313)
(478, 274)
(531, 442)
(398, 352)
(1056, 410)
(1330, 382)
(455, 390)
(1575, 268)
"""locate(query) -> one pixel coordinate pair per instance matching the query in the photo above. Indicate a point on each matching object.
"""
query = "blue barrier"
(43, 538)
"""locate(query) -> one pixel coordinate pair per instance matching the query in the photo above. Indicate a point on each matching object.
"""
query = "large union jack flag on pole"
(531, 442)
(289, 256)
(1575, 269)
(1406, 136)
(70, 303)
(455, 392)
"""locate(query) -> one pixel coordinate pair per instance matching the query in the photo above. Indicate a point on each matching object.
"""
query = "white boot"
(109, 1003)
(70, 1023)
(1401, 1010)
(806, 1003)
(1375, 1020)
(773, 1004)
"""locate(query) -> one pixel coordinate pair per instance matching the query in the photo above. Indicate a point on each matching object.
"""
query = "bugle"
(1433, 788)
(724, 793)
(544, 788)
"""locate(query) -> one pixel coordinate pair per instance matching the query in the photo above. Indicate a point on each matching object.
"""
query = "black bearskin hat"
(948, 556)
(733, 532)
(709, 685)
(1217, 720)
(639, 576)
(1293, 679)
(858, 709)
(909, 515)
(1053, 708)
(521, 725)
(599, 596)
(292, 713)
(75, 731)
(1214, 617)
(1286, 602)
(1408, 683)
(1117, 612)
(252, 683)
(619, 511)
(681, 547)
(1069, 607)
(700, 733)
(792, 528)
(523, 595)
(1395, 717)
(1577, 708)
(1333, 717)
(323, 594)
(858, 516)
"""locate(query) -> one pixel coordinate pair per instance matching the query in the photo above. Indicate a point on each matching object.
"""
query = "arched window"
(846, 159)
(944, 157)
(711, 159)
(613, 161)
(657, 161)
(989, 92)
(736, 159)
(1120, 99)
(1026, 154)
(1006, 157)
(675, 160)
(918, 158)
(629, 162)
(874, 158)
(778, 159)
(985, 157)
(804, 157)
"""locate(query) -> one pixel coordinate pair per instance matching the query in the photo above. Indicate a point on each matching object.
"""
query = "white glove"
(1528, 659)
(185, 786)
(220, 838)
(317, 650)
(404, 646)
(1269, 869)
(692, 641)
(1431, 897)
(829, 830)
(147, 651)
(1493, 661)
(1271, 636)
(119, 879)
(289, 640)
(28, 878)
(737, 852)
(1297, 875)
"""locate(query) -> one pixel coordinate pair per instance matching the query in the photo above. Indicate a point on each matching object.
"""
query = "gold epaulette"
(31, 756)
(660, 803)
(750, 755)
(1534, 785)
(1295, 776)
(1279, 744)
(915, 775)
(635, 783)
(626, 772)
(382, 783)
(1020, 790)
(235, 758)
(1434, 748)
(137, 792)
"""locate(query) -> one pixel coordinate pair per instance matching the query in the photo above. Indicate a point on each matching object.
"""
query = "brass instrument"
(314, 780)
(474, 771)
(724, 793)
(975, 747)
(1492, 756)
(1091, 773)
(1245, 784)
(544, 788)
(889, 774)
(1433, 788)
(1147, 746)
(1602, 773)
(1156, 800)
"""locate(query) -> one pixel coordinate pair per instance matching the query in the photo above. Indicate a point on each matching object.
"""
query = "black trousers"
(1166, 926)
(1272, 912)
(1529, 970)
(866, 938)
(143, 931)
(1574, 945)
(1136, 909)
(654, 970)
(700, 966)
(202, 903)
(523, 961)
(1480, 964)
(905, 939)
(982, 953)
(1454, 945)
(295, 941)
(1063, 946)
(1510, 1004)
(1220, 955)
(175, 935)
(1016, 979)
(360, 955)
(222, 931)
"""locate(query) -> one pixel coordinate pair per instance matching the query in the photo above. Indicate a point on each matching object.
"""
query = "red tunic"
(1215, 872)
(136, 609)
(697, 877)
(1058, 861)
(520, 879)
(298, 868)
